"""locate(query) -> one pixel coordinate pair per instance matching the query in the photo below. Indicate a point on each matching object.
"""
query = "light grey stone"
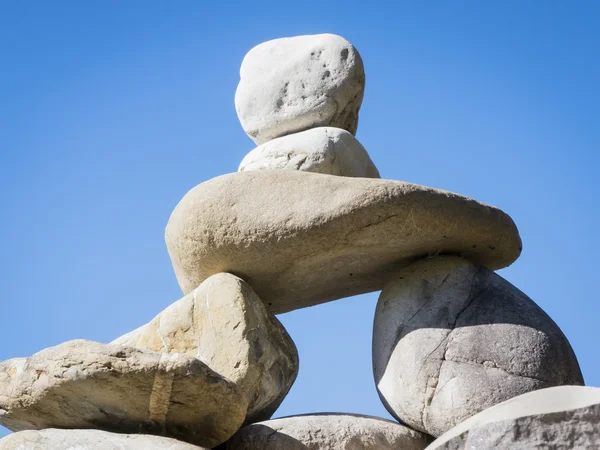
(328, 150)
(327, 432)
(84, 384)
(300, 238)
(452, 338)
(293, 84)
(56, 439)
(225, 325)
(558, 418)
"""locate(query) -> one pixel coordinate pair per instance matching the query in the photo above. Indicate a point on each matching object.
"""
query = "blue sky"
(111, 111)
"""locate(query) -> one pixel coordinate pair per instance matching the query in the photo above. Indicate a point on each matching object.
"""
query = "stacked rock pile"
(459, 354)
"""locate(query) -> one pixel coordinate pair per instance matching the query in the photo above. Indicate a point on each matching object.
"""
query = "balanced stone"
(327, 432)
(300, 238)
(224, 324)
(56, 439)
(83, 384)
(452, 338)
(328, 150)
(564, 417)
(294, 84)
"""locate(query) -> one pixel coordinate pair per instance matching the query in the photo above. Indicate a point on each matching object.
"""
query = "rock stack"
(305, 220)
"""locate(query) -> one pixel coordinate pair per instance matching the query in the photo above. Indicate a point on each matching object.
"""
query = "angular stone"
(225, 325)
(56, 439)
(294, 84)
(328, 150)
(83, 384)
(564, 417)
(327, 432)
(452, 338)
(300, 239)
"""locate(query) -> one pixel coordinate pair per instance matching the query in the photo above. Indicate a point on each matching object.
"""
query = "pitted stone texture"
(300, 238)
(293, 84)
(328, 150)
(451, 339)
(84, 384)
(55, 439)
(225, 325)
(558, 418)
(327, 432)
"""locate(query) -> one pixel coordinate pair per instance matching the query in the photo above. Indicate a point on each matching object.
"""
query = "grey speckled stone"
(559, 418)
(452, 338)
(327, 432)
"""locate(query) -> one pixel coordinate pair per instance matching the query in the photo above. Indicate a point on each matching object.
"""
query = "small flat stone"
(452, 338)
(300, 238)
(560, 418)
(327, 432)
(293, 84)
(225, 325)
(56, 439)
(327, 150)
(84, 384)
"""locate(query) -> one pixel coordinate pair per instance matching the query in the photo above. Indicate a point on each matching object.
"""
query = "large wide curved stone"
(294, 84)
(56, 439)
(84, 384)
(327, 432)
(452, 338)
(224, 324)
(328, 150)
(565, 417)
(300, 239)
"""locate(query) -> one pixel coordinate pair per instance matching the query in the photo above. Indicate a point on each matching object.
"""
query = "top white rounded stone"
(293, 84)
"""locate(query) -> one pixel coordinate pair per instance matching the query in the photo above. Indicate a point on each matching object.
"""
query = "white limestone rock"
(327, 150)
(293, 84)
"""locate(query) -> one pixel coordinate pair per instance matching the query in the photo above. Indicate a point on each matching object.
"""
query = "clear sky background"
(111, 111)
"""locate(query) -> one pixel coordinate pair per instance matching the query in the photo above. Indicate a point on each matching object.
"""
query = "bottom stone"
(55, 439)
(327, 432)
(563, 417)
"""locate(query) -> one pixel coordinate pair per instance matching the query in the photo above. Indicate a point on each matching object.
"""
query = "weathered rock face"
(564, 417)
(451, 339)
(55, 439)
(83, 384)
(300, 239)
(328, 150)
(224, 324)
(327, 432)
(294, 84)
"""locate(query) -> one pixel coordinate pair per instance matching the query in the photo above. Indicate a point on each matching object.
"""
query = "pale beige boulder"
(224, 324)
(451, 338)
(558, 418)
(300, 238)
(327, 432)
(56, 439)
(327, 150)
(84, 384)
(293, 84)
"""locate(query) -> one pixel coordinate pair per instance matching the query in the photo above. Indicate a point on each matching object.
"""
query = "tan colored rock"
(327, 432)
(451, 338)
(300, 239)
(56, 439)
(84, 384)
(225, 325)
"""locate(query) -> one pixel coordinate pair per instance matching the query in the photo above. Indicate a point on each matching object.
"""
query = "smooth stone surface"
(293, 84)
(558, 418)
(328, 150)
(300, 238)
(327, 432)
(225, 325)
(84, 384)
(55, 439)
(451, 339)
